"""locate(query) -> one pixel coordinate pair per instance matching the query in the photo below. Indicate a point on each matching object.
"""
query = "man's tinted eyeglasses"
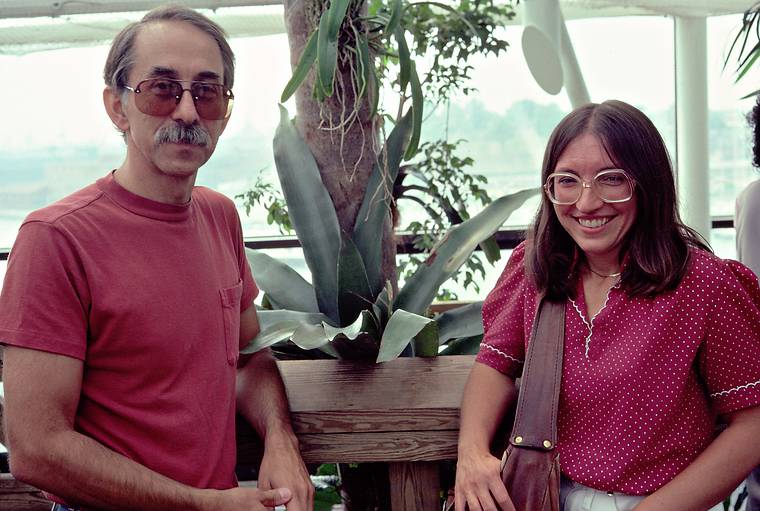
(160, 96)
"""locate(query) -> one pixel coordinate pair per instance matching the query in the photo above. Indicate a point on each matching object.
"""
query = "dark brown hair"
(754, 121)
(657, 244)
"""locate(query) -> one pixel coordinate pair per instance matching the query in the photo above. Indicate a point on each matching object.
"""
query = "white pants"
(576, 497)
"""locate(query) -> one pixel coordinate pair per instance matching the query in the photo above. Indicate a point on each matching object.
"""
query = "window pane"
(730, 136)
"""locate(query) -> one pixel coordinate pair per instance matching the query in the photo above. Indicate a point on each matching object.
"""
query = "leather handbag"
(530, 463)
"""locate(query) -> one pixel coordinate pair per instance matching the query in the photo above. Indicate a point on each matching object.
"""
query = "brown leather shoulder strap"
(536, 415)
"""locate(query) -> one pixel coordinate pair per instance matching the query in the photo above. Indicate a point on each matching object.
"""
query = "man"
(125, 304)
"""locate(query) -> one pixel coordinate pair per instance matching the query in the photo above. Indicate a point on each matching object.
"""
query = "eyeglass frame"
(226, 91)
(590, 185)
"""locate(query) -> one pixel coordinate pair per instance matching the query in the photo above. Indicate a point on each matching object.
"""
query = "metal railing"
(506, 238)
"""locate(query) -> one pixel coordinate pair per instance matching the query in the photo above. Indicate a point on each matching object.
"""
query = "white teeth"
(596, 222)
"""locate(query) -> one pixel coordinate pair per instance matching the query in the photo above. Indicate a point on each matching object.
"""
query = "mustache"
(178, 133)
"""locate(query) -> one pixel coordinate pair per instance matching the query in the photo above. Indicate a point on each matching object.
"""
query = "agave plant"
(349, 311)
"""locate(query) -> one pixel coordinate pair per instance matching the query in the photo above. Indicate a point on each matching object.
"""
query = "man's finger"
(276, 497)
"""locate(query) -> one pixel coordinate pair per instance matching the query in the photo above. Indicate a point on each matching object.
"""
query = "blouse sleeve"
(503, 346)
(730, 357)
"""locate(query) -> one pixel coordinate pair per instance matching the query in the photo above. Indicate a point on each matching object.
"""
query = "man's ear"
(115, 108)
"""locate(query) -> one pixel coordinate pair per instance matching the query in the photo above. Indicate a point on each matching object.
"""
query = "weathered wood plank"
(17, 496)
(401, 384)
(414, 486)
(402, 410)
(357, 448)
(387, 446)
(363, 421)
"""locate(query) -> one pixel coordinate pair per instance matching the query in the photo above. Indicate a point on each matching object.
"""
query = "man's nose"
(185, 110)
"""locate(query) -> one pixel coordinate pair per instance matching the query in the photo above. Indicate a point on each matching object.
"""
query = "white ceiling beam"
(48, 8)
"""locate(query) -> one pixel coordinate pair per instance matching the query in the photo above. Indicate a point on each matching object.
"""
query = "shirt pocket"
(230, 298)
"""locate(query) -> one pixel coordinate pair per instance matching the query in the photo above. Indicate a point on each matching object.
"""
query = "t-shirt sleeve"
(45, 299)
(730, 358)
(503, 346)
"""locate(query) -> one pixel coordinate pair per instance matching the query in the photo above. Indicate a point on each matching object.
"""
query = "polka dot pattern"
(642, 383)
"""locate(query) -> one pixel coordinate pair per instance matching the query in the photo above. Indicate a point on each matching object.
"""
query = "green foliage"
(451, 35)
(746, 45)
(441, 185)
(265, 194)
(355, 321)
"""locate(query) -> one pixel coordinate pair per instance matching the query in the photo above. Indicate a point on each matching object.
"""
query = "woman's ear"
(115, 108)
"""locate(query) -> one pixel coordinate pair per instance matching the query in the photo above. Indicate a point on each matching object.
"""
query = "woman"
(662, 338)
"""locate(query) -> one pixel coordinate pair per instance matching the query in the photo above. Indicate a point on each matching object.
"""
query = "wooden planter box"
(405, 412)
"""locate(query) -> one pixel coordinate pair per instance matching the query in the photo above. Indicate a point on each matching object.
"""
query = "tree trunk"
(345, 150)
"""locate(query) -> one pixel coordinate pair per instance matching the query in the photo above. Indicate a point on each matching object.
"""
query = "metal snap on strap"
(518, 439)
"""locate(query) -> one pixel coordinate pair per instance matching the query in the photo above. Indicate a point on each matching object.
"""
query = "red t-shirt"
(643, 381)
(149, 296)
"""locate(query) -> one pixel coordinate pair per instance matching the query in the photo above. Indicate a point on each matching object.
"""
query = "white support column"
(691, 122)
(575, 85)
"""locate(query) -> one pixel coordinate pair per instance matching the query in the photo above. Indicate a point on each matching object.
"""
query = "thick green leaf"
(375, 208)
(282, 284)
(454, 249)
(748, 65)
(490, 248)
(463, 321)
(311, 212)
(309, 337)
(278, 326)
(401, 328)
(383, 306)
(351, 331)
(404, 59)
(395, 17)
(418, 102)
(327, 43)
(363, 64)
(426, 342)
(354, 294)
(336, 13)
(327, 58)
(307, 59)
(463, 346)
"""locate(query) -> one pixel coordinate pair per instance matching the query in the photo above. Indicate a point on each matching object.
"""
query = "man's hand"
(282, 467)
(246, 499)
(479, 485)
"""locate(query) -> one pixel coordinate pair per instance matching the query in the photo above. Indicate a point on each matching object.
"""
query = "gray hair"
(121, 56)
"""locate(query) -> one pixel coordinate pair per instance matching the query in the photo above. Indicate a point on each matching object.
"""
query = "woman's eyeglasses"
(160, 96)
(565, 188)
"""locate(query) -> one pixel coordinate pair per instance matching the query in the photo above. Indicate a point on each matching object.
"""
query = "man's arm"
(262, 401)
(41, 396)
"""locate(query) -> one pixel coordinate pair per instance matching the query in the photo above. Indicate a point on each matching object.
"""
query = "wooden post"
(404, 412)
(415, 486)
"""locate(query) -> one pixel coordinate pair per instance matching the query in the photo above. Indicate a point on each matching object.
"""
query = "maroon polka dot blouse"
(644, 380)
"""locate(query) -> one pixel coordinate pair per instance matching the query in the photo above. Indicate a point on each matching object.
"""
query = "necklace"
(604, 275)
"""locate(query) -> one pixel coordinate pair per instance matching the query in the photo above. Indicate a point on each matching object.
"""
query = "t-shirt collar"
(141, 205)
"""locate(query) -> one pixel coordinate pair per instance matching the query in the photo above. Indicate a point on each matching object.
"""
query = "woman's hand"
(478, 483)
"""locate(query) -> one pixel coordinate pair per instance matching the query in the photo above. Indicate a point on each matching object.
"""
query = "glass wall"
(60, 139)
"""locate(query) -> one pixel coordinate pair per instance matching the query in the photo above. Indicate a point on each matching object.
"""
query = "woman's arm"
(717, 471)
(487, 396)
